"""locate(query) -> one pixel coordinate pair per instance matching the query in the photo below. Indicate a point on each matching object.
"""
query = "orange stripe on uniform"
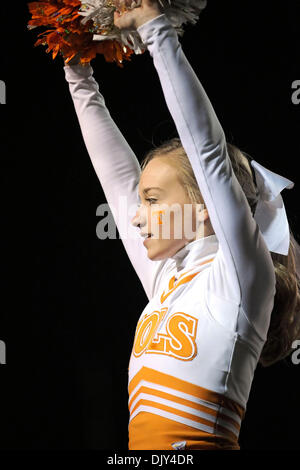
(168, 396)
(180, 281)
(178, 412)
(153, 432)
(181, 401)
(160, 378)
(200, 264)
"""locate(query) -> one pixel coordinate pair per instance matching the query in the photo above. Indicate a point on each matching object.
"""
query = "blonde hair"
(285, 318)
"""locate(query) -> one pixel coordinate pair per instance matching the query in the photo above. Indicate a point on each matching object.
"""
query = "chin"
(161, 253)
(154, 256)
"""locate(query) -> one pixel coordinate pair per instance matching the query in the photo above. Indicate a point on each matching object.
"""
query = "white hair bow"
(270, 213)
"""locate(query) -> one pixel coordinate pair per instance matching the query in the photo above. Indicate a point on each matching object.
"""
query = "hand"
(74, 61)
(132, 19)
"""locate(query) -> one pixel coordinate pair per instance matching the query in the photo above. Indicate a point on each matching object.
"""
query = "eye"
(151, 200)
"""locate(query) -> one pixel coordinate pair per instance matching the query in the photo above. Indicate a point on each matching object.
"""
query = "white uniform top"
(199, 339)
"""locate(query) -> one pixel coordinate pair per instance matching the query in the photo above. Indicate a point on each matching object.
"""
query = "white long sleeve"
(115, 164)
(243, 272)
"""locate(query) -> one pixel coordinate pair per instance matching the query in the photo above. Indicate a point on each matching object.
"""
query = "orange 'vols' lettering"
(179, 342)
(146, 329)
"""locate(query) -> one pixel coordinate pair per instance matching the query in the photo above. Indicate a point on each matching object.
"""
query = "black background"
(70, 302)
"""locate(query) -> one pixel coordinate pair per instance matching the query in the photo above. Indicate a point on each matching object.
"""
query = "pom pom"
(68, 35)
(85, 28)
(178, 13)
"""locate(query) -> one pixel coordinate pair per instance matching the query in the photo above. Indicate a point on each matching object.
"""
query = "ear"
(202, 215)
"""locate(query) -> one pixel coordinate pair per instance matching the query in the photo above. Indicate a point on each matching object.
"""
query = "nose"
(141, 217)
(135, 221)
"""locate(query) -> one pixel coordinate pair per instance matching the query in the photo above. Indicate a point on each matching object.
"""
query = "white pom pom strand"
(101, 12)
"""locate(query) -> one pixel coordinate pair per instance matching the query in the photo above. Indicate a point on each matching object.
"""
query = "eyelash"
(151, 199)
(148, 199)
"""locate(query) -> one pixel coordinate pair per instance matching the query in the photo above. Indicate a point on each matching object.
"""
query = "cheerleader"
(221, 297)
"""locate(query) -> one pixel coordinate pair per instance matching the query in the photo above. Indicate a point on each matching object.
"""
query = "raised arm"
(115, 164)
(246, 260)
(248, 273)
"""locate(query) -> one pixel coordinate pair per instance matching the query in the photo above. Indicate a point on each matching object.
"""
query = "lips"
(146, 235)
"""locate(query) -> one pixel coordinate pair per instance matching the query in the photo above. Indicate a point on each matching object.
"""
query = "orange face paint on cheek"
(159, 214)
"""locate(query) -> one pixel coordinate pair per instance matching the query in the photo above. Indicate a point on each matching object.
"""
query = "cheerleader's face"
(166, 211)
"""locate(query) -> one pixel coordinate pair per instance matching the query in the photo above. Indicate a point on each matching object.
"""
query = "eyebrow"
(146, 190)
